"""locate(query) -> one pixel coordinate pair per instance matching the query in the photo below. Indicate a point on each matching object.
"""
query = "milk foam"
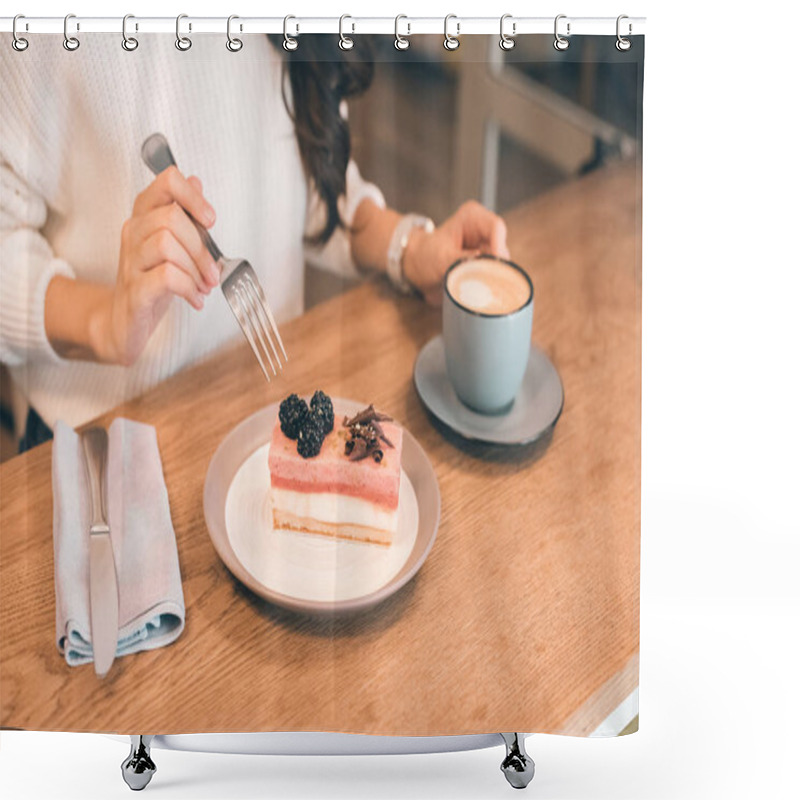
(474, 293)
(488, 286)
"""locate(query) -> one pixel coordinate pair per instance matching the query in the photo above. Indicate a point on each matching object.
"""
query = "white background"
(720, 604)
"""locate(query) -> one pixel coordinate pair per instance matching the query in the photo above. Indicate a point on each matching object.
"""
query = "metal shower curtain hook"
(18, 42)
(71, 43)
(623, 44)
(560, 42)
(233, 44)
(345, 42)
(451, 42)
(401, 42)
(129, 43)
(183, 43)
(289, 43)
(507, 42)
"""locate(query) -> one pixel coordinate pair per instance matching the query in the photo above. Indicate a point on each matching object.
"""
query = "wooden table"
(524, 616)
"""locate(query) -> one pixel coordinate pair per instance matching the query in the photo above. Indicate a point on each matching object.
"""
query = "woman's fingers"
(171, 187)
(168, 278)
(162, 246)
(483, 229)
(174, 219)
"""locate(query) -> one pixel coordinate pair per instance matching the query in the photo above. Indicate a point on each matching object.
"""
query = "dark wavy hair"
(321, 75)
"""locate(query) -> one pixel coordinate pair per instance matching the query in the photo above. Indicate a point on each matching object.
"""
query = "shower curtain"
(416, 510)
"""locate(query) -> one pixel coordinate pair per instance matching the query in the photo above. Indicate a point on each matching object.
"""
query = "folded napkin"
(151, 607)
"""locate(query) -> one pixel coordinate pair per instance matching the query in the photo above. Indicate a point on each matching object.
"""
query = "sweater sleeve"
(335, 255)
(27, 264)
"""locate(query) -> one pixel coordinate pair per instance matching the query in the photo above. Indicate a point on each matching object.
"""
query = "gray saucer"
(536, 408)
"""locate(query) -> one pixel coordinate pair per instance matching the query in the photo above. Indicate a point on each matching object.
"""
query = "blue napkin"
(151, 607)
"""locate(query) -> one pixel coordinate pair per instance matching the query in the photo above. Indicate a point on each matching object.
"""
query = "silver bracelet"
(397, 248)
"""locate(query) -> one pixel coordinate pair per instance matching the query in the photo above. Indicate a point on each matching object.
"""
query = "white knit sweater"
(71, 128)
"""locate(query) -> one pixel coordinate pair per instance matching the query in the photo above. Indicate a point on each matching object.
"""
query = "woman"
(106, 287)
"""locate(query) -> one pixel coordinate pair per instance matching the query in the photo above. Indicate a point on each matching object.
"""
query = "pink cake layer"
(332, 471)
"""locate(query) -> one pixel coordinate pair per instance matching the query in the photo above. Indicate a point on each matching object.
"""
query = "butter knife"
(103, 591)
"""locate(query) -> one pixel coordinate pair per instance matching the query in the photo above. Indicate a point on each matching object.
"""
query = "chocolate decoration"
(365, 434)
(377, 427)
(359, 450)
(366, 415)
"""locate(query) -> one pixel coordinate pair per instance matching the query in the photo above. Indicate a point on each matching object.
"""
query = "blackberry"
(293, 415)
(321, 410)
(310, 438)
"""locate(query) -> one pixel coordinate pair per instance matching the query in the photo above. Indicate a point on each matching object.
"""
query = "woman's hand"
(161, 255)
(472, 229)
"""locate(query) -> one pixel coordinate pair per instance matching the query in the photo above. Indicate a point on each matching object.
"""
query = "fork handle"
(157, 155)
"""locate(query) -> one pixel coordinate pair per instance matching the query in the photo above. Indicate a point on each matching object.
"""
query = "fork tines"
(248, 302)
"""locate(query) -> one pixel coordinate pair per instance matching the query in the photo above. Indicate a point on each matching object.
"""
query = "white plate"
(301, 571)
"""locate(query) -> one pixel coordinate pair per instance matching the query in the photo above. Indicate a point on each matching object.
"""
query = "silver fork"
(240, 284)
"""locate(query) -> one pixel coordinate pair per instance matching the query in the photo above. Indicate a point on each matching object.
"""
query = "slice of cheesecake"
(349, 490)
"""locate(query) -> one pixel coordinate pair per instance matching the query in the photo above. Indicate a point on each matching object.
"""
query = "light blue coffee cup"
(486, 354)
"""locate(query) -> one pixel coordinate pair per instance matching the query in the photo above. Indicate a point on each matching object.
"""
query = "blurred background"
(437, 128)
